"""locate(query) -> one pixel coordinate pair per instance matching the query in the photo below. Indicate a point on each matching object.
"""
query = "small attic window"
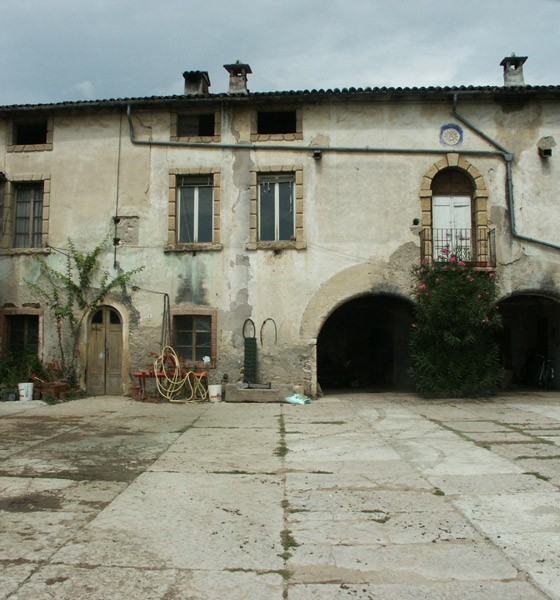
(195, 125)
(270, 122)
(30, 133)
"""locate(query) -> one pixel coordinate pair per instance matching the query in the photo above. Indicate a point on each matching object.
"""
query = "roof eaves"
(317, 94)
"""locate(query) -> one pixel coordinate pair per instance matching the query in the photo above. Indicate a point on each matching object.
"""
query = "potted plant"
(15, 369)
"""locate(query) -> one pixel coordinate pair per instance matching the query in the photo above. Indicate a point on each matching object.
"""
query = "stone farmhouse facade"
(282, 227)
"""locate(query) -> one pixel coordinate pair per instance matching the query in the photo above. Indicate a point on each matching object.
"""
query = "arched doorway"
(364, 344)
(104, 353)
(531, 331)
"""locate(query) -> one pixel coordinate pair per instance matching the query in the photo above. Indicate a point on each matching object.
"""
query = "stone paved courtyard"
(353, 496)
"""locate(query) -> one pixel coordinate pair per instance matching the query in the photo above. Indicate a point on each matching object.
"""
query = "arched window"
(452, 231)
(454, 202)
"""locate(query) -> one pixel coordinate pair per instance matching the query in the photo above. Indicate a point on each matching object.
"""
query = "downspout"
(508, 159)
(500, 151)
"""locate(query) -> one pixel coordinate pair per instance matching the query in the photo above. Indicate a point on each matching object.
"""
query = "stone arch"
(480, 191)
(481, 238)
(356, 281)
(531, 333)
(359, 281)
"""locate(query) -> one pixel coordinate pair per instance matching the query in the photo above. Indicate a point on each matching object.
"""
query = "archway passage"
(104, 353)
(364, 344)
(530, 334)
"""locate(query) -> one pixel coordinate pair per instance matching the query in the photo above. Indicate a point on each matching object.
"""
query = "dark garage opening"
(530, 334)
(364, 344)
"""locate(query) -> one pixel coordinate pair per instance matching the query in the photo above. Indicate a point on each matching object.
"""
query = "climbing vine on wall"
(75, 292)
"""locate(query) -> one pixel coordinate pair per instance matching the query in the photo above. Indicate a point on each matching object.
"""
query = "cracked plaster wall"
(358, 212)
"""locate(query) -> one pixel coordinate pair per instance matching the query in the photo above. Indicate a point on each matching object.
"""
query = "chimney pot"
(238, 77)
(196, 82)
(513, 70)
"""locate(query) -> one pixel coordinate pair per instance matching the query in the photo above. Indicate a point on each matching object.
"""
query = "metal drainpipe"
(501, 151)
(508, 159)
(290, 148)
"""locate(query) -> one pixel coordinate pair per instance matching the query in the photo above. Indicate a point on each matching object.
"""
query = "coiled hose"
(170, 379)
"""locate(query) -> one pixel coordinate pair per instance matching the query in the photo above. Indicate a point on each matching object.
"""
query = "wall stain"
(191, 286)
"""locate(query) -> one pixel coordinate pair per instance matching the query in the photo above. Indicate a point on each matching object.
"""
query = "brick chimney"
(196, 82)
(238, 77)
(513, 70)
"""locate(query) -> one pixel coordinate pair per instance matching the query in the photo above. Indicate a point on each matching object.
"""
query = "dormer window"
(195, 125)
(277, 125)
(30, 133)
(276, 121)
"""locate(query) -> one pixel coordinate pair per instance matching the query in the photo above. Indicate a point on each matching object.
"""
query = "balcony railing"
(476, 246)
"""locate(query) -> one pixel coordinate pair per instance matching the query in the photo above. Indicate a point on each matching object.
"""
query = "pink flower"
(422, 286)
(413, 325)
(452, 259)
(445, 250)
(491, 275)
(462, 263)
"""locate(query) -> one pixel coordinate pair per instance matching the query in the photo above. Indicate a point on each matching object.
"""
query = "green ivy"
(453, 340)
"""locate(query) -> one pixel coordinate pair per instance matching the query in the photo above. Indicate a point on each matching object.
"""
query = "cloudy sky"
(59, 50)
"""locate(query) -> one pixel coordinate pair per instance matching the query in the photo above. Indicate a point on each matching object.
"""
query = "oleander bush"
(454, 349)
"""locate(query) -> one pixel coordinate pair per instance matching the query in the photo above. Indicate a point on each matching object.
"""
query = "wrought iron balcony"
(476, 247)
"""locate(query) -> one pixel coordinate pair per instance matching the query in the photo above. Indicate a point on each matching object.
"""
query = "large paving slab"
(353, 496)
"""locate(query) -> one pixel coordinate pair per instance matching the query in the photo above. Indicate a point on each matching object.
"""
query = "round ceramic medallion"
(451, 135)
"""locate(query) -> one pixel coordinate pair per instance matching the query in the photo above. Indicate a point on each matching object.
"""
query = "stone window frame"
(174, 137)
(254, 243)
(172, 244)
(479, 197)
(204, 312)
(11, 146)
(7, 211)
(9, 311)
(278, 137)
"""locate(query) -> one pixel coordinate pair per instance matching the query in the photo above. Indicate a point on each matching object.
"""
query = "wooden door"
(104, 353)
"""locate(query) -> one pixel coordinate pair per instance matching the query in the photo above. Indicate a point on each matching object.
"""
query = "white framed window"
(452, 226)
(195, 209)
(276, 209)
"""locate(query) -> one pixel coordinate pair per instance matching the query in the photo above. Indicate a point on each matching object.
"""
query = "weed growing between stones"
(282, 449)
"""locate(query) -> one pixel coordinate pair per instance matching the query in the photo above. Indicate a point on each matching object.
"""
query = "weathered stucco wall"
(358, 213)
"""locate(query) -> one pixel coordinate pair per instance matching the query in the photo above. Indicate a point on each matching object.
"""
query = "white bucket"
(25, 391)
(215, 393)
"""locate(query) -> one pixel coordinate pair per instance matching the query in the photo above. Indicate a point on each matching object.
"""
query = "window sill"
(29, 147)
(276, 137)
(276, 246)
(205, 247)
(196, 139)
(24, 251)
